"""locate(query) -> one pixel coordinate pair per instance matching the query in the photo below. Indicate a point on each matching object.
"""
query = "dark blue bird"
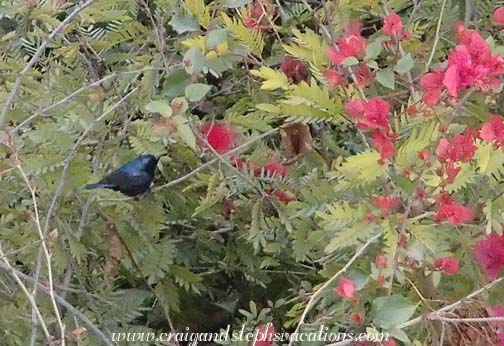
(132, 179)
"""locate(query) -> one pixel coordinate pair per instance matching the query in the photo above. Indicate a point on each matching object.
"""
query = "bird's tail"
(98, 186)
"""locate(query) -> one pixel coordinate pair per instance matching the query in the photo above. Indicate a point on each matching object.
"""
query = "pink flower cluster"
(493, 131)
(489, 253)
(352, 44)
(460, 148)
(470, 64)
(372, 116)
(452, 212)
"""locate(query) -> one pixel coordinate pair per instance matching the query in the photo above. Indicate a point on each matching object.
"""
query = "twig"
(314, 298)
(72, 310)
(36, 278)
(7, 266)
(159, 38)
(402, 54)
(468, 319)
(35, 57)
(75, 93)
(450, 307)
(436, 38)
(44, 248)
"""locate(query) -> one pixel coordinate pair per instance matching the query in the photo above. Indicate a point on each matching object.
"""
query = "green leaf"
(386, 78)
(161, 107)
(214, 38)
(194, 61)
(350, 61)
(182, 24)
(197, 91)
(185, 132)
(273, 79)
(235, 3)
(405, 64)
(390, 311)
(373, 64)
(373, 50)
(175, 84)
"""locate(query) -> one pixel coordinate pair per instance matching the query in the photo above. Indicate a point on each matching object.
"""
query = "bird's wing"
(120, 178)
(116, 179)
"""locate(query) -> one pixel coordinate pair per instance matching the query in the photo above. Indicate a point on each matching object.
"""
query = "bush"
(324, 164)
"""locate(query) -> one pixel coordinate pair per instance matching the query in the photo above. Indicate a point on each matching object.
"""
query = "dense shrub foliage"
(329, 164)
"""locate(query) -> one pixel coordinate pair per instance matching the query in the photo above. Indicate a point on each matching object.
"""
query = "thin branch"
(468, 319)
(314, 298)
(75, 93)
(70, 308)
(402, 54)
(36, 56)
(7, 266)
(435, 314)
(44, 248)
(436, 38)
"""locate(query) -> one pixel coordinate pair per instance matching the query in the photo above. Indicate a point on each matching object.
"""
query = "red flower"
(497, 311)
(221, 137)
(357, 317)
(444, 198)
(443, 150)
(412, 110)
(346, 288)
(363, 76)
(294, 69)
(448, 265)
(489, 253)
(271, 169)
(389, 342)
(493, 131)
(257, 18)
(420, 193)
(264, 335)
(380, 280)
(454, 213)
(461, 148)
(384, 143)
(498, 15)
(334, 78)
(432, 85)
(381, 261)
(451, 172)
(370, 114)
(392, 25)
(387, 204)
(282, 196)
(423, 154)
(349, 45)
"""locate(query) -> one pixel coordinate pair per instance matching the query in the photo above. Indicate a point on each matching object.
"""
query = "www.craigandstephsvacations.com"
(322, 334)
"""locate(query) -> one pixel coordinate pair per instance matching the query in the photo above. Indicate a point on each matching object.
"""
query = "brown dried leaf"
(75, 334)
(51, 240)
(163, 126)
(114, 252)
(296, 139)
(263, 11)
